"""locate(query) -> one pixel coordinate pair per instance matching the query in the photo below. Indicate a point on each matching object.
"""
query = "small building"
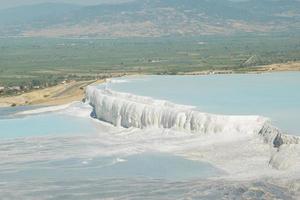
(16, 88)
(36, 87)
(2, 89)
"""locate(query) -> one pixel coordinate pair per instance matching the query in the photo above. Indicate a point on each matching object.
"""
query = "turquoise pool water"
(9, 112)
(274, 95)
(57, 145)
(58, 155)
(43, 125)
(147, 165)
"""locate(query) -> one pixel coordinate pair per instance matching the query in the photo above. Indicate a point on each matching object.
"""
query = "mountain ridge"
(154, 18)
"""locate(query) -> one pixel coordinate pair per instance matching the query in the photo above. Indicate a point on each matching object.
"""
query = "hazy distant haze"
(12, 3)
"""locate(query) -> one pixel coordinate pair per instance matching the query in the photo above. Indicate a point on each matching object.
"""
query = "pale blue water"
(9, 112)
(44, 124)
(147, 165)
(54, 156)
(42, 152)
(274, 95)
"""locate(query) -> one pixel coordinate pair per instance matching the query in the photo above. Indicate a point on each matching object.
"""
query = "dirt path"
(290, 66)
(56, 95)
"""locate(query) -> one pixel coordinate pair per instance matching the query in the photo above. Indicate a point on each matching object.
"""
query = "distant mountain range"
(151, 18)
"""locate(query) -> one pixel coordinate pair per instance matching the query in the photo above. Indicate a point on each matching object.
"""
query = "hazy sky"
(12, 3)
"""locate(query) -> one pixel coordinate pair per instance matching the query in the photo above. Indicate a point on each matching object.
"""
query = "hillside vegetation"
(45, 61)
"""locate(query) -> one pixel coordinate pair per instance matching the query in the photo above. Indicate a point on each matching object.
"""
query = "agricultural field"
(40, 62)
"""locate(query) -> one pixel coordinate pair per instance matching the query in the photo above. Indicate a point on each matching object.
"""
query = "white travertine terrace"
(128, 110)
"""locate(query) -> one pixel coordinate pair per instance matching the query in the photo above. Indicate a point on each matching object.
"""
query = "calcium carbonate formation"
(127, 110)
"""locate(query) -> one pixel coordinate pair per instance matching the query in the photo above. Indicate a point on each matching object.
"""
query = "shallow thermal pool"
(64, 153)
(60, 147)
